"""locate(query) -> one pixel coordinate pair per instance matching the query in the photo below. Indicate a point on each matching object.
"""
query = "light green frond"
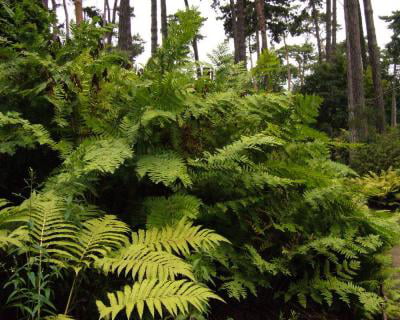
(179, 238)
(59, 317)
(97, 238)
(165, 167)
(143, 263)
(173, 296)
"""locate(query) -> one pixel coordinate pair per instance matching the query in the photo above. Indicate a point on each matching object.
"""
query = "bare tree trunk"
(55, 23)
(258, 43)
(317, 31)
(124, 26)
(241, 30)
(164, 23)
(356, 99)
(334, 26)
(374, 59)
(362, 39)
(114, 17)
(250, 53)
(328, 30)
(394, 99)
(66, 19)
(195, 47)
(78, 11)
(260, 8)
(234, 30)
(154, 27)
(289, 72)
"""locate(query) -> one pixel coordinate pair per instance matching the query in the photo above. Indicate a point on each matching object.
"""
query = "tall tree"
(334, 26)
(233, 10)
(260, 9)
(194, 44)
(362, 38)
(314, 14)
(78, 11)
(241, 30)
(394, 98)
(124, 26)
(355, 87)
(374, 59)
(328, 22)
(164, 22)
(66, 18)
(45, 4)
(114, 17)
(154, 26)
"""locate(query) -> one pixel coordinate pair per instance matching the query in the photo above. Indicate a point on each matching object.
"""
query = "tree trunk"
(334, 26)
(124, 26)
(55, 23)
(374, 59)
(250, 53)
(234, 30)
(289, 72)
(260, 8)
(356, 99)
(362, 38)
(195, 47)
(258, 43)
(154, 28)
(241, 30)
(328, 30)
(45, 4)
(316, 26)
(394, 99)
(66, 19)
(164, 23)
(78, 11)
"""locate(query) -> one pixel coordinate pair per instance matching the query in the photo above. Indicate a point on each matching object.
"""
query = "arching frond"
(173, 296)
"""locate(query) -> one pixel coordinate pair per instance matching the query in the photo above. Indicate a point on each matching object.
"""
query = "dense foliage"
(126, 167)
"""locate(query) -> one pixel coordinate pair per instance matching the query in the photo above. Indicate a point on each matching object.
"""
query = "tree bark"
(234, 30)
(317, 30)
(328, 22)
(289, 71)
(258, 43)
(362, 38)
(66, 19)
(260, 8)
(78, 11)
(394, 99)
(164, 23)
(334, 26)
(124, 26)
(55, 23)
(114, 17)
(356, 99)
(374, 59)
(45, 4)
(194, 45)
(154, 28)
(241, 30)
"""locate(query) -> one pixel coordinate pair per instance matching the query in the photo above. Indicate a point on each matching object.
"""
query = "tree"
(78, 11)
(154, 27)
(334, 26)
(194, 44)
(374, 59)
(124, 26)
(355, 87)
(241, 30)
(232, 7)
(260, 8)
(164, 22)
(315, 18)
(67, 31)
(328, 22)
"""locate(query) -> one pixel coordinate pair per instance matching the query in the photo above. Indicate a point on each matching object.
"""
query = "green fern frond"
(59, 317)
(173, 296)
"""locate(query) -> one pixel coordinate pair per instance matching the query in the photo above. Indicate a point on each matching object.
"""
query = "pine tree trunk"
(241, 30)
(394, 99)
(154, 27)
(374, 59)
(124, 26)
(78, 11)
(234, 30)
(194, 44)
(258, 43)
(66, 19)
(356, 99)
(317, 30)
(55, 23)
(260, 8)
(328, 30)
(334, 26)
(164, 23)
(362, 39)
(250, 53)
(114, 17)
(289, 72)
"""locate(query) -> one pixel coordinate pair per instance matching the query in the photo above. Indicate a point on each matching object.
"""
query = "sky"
(213, 30)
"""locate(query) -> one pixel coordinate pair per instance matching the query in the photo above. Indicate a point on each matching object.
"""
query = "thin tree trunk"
(317, 31)
(114, 17)
(289, 71)
(78, 11)
(394, 99)
(55, 23)
(250, 54)
(334, 26)
(235, 30)
(154, 27)
(362, 38)
(194, 44)
(258, 43)
(164, 23)
(66, 19)
(374, 59)
(45, 4)
(328, 30)
(356, 99)
(260, 8)
(124, 26)
(241, 30)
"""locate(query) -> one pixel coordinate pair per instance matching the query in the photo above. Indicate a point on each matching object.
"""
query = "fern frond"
(174, 296)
